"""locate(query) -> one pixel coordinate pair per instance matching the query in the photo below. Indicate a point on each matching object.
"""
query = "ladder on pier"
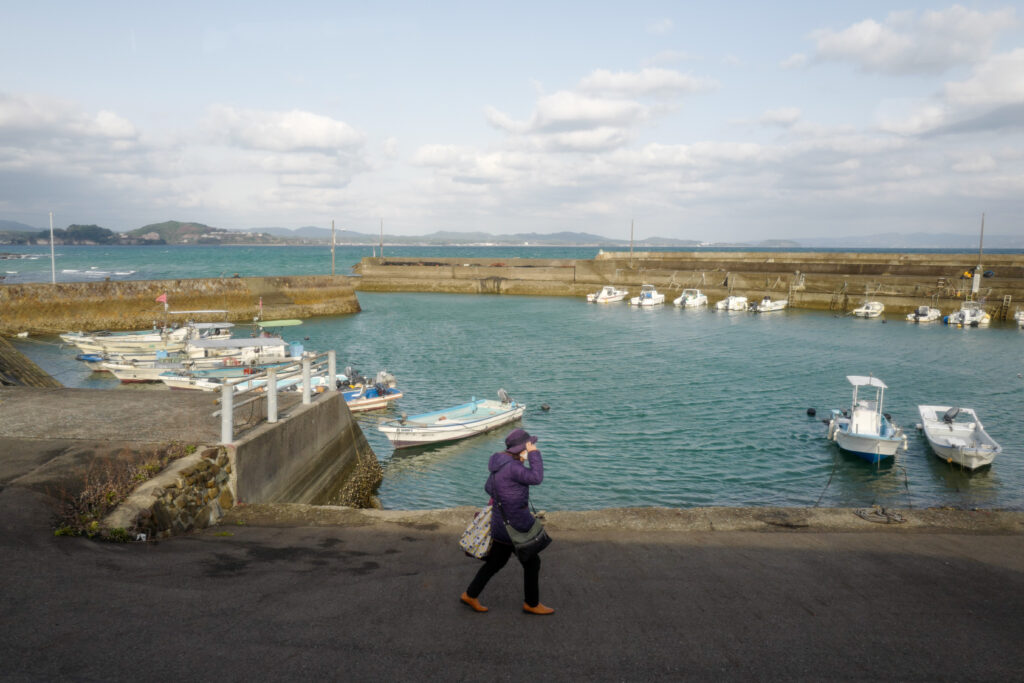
(1004, 308)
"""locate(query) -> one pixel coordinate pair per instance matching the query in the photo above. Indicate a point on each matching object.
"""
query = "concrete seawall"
(316, 452)
(130, 304)
(815, 280)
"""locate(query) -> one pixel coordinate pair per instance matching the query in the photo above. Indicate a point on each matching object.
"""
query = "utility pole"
(53, 258)
(332, 246)
(382, 238)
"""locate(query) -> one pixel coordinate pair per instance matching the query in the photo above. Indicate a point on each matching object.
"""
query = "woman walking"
(509, 484)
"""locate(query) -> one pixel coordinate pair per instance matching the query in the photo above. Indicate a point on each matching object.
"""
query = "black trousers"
(500, 552)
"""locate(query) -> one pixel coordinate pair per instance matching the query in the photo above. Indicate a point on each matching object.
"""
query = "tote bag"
(476, 539)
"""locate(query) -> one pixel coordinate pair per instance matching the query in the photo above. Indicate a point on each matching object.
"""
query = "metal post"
(271, 395)
(227, 413)
(307, 397)
(53, 258)
(332, 368)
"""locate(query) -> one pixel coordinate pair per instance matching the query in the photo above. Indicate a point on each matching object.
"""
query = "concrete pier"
(130, 304)
(815, 280)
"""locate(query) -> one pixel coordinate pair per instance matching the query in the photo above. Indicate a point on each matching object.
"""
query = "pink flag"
(162, 299)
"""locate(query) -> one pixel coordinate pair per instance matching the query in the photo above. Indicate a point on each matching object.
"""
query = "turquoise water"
(76, 264)
(668, 407)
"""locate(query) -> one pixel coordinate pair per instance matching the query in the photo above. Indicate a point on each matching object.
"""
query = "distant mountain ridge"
(191, 232)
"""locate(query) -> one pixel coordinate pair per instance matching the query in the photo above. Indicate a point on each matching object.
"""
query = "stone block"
(226, 499)
(181, 501)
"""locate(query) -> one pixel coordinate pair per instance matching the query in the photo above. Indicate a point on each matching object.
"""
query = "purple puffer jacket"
(511, 485)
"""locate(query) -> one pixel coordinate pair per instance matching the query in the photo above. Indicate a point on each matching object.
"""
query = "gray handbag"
(526, 543)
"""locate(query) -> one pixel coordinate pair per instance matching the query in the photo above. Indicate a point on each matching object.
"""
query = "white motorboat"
(768, 305)
(957, 436)
(732, 303)
(167, 339)
(649, 296)
(691, 298)
(971, 314)
(452, 424)
(870, 309)
(607, 295)
(864, 429)
(1019, 317)
(924, 314)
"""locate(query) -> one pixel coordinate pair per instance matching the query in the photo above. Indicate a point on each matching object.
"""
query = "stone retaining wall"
(816, 280)
(192, 493)
(131, 304)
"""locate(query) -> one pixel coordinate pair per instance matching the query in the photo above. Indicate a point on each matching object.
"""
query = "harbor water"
(667, 407)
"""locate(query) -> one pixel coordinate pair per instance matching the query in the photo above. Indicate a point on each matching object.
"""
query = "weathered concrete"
(378, 601)
(303, 459)
(820, 280)
(130, 304)
(17, 370)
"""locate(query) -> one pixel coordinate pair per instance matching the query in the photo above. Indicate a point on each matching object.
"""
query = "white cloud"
(282, 131)
(906, 42)
(660, 27)
(999, 80)
(785, 117)
(34, 114)
(794, 61)
(661, 82)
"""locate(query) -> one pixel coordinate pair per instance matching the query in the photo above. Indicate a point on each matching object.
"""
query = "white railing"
(300, 372)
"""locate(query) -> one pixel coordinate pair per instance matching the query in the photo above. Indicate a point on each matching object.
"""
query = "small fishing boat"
(649, 296)
(971, 314)
(607, 295)
(864, 429)
(768, 305)
(732, 303)
(924, 314)
(691, 298)
(870, 309)
(1019, 317)
(451, 424)
(957, 436)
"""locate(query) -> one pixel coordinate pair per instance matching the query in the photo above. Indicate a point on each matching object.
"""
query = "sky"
(725, 121)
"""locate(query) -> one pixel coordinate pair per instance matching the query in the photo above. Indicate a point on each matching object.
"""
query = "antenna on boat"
(631, 244)
(976, 280)
(53, 260)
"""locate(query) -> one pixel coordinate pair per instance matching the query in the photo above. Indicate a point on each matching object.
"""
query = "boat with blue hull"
(451, 424)
(864, 429)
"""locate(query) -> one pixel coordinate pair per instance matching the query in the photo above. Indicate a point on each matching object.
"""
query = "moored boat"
(451, 424)
(956, 435)
(924, 314)
(732, 303)
(607, 295)
(971, 314)
(864, 429)
(1019, 317)
(691, 298)
(870, 309)
(768, 304)
(648, 296)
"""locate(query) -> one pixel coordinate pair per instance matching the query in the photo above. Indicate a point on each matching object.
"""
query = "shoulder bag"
(526, 543)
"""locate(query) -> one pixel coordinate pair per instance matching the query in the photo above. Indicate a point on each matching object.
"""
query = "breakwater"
(815, 280)
(131, 304)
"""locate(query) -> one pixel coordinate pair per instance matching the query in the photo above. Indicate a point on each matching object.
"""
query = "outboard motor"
(950, 415)
(503, 396)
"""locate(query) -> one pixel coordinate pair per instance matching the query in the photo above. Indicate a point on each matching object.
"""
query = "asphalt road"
(379, 601)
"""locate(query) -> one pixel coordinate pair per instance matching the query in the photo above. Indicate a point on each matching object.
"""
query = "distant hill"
(14, 226)
(175, 232)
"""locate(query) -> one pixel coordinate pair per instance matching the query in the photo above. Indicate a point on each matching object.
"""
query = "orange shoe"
(540, 608)
(472, 602)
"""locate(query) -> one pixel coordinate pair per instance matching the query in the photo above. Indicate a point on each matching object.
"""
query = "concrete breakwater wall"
(816, 280)
(130, 304)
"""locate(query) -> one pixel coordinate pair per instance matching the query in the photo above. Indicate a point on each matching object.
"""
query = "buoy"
(811, 412)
